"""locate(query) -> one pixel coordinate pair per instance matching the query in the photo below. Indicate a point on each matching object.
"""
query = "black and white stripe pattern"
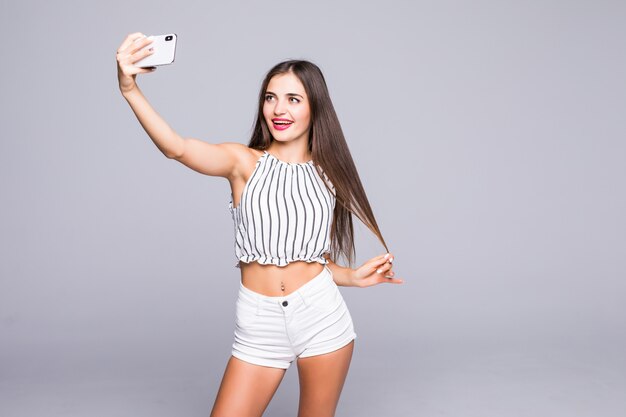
(285, 214)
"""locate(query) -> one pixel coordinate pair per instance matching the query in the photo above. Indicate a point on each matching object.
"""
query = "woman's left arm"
(343, 277)
(374, 271)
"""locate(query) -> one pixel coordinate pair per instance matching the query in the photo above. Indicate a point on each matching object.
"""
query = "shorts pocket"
(326, 299)
(245, 312)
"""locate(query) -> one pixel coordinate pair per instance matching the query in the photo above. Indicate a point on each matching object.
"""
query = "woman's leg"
(246, 389)
(321, 381)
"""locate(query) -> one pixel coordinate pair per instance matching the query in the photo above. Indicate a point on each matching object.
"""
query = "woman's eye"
(270, 97)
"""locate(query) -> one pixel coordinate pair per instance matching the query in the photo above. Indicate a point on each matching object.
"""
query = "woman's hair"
(329, 151)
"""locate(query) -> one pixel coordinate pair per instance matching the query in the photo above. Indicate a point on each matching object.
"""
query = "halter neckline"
(289, 163)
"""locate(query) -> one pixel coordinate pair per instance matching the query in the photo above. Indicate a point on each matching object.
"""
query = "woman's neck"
(293, 153)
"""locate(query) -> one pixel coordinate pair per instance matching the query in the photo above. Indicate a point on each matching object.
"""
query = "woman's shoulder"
(241, 151)
(246, 157)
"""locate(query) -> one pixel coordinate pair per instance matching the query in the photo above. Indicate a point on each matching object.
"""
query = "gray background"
(489, 137)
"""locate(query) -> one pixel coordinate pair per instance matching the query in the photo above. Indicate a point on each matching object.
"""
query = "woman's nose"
(279, 108)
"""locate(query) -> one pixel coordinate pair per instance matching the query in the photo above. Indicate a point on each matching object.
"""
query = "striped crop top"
(285, 214)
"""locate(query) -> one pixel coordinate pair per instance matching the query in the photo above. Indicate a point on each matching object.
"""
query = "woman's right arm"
(210, 159)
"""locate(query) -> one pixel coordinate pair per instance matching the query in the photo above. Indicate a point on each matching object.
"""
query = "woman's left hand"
(375, 271)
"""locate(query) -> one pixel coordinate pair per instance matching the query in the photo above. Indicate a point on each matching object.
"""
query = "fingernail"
(386, 256)
(391, 260)
(379, 271)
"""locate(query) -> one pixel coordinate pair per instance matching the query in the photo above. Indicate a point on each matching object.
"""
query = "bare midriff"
(275, 281)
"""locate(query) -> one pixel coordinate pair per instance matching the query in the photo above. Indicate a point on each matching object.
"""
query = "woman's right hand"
(127, 54)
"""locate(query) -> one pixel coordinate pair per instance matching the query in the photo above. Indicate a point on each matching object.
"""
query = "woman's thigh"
(246, 389)
(321, 381)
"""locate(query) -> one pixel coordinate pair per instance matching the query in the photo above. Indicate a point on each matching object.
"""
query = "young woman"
(294, 190)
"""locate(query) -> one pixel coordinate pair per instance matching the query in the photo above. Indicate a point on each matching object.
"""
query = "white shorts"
(273, 331)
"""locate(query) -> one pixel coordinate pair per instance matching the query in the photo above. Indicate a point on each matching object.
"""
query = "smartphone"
(164, 51)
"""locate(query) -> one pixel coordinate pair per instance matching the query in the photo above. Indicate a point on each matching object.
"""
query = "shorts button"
(285, 303)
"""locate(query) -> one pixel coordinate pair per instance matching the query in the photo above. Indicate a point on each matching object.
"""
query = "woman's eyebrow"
(288, 94)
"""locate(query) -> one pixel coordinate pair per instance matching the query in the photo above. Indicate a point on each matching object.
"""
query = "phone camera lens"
(168, 38)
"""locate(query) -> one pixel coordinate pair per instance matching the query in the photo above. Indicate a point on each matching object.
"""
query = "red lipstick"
(281, 124)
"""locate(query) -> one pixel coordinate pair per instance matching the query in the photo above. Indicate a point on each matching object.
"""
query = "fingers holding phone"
(132, 49)
(163, 48)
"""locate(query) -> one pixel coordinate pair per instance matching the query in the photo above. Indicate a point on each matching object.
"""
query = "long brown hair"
(329, 151)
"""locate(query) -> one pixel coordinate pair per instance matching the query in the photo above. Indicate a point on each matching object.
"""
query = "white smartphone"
(164, 51)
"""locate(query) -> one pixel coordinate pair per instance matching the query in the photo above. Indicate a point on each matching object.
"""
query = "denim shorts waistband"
(310, 286)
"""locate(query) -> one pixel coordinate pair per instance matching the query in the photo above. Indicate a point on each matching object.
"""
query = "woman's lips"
(281, 126)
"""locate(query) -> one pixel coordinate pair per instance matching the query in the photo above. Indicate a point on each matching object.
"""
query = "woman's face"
(286, 108)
